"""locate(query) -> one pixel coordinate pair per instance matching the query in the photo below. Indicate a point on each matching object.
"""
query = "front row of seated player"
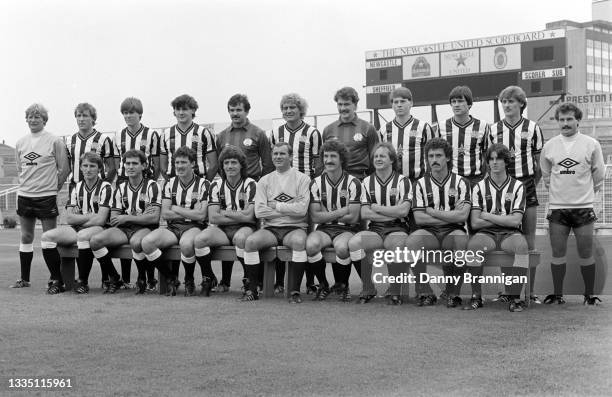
(441, 202)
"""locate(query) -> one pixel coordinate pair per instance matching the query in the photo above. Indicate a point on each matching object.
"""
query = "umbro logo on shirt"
(31, 157)
(567, 163)
(283, 198)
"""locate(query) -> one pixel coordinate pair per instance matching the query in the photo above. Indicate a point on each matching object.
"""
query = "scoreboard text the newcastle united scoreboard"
(536, 61)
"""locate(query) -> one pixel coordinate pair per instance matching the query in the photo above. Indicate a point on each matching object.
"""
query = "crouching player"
(281, 202)
(385, 201)
(87, 212)
(441, 210)
(134, 213)
(498, 204)
(231, 214)
(184, 204)
(334, 205)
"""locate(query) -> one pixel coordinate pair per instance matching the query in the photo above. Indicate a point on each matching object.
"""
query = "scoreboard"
(535, 61)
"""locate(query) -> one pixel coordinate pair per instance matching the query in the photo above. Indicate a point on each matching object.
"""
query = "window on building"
(597, 61)
(384, 99)
(536, 86)
(589, 43)
(557, 84)
(590, 60)
(383, 74)
(543, 53)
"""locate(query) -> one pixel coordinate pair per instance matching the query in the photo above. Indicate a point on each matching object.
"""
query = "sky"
(61, 53)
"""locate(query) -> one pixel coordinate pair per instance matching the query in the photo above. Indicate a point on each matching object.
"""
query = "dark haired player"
(334, 205)
(136, 136)
(43, 167)
(498, 203)
(467, 136)
(187, 133)
(442, 206)
(184, 205)
(359, 136)
(573, 170)
(255, 145)
(281, 202)
(86, 214)
(407, 134)
(231, 214)
(385, 201)
(134, 213)
(524, 139)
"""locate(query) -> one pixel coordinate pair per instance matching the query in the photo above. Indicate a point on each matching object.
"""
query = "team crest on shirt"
(344, 193)
(95, 199)
(488, 197)
(323, 196)
(461, 151)
(283, 198)
(95, 146)
(475, 134)
(142, 196)
(452, 192)
(358, 137)
(393, 191)
(508, 196)
(512, 152)
(303, 139)
(524, 134)
(247, 142)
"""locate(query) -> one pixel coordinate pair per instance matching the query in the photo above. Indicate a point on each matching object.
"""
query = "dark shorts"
(179, 228)
(231, 230)
(529, 187)
(37, 207)
(129, 230)
(572, 217)
(499, 235)
(281, 232)
(334, 231)
(383, 229)
(440, 232)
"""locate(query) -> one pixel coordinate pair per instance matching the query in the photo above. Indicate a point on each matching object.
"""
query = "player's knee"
(187, 248)
(312, 246)
(354, 244)
(136, 245)
(200, 241)
(96, 242)
(239, 240)
(147, 244)
(342, 250)
(297, 243)
(251, 243)
(46, 236)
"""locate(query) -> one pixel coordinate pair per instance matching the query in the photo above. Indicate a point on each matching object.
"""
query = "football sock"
(476, 285)
(205, 265)
(280, 272)
(175, 266)
(226, 272)
(297, 272)
(558, 274)
(52, 259)
(588, 275)
(26, 253)
(126, 269)
(142, 265)
(84, 264)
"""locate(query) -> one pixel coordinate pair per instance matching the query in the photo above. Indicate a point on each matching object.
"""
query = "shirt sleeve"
(250, 191)
(407, 190)
(464, 191)
(163, 149)
(167, 193)
(519, 200)
(208, 141)
(106, 193)
(315, 194)
(117, 203)
(354, 191)
(204, 190)
(73, 198)
(153, 194)
(155, 144)
(477, 202)
(537, 141)
(419, 198)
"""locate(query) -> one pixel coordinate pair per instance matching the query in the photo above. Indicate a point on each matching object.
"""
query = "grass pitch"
(153, 345)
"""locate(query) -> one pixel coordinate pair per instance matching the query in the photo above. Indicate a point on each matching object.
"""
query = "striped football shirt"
(198, 138)
(469, 142)
(88, 200)
(134, 200)
(506, 199)
(409, 140)
(347, 190)
(94, 142)
(306, 143)
(443, 195)
(146, 140)
(524, 139)
(186, 196)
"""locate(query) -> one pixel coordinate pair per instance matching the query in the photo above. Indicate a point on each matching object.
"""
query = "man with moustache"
(254, 143)
(334, 205)
(359, 136)
(441, 209)
(573, 171)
